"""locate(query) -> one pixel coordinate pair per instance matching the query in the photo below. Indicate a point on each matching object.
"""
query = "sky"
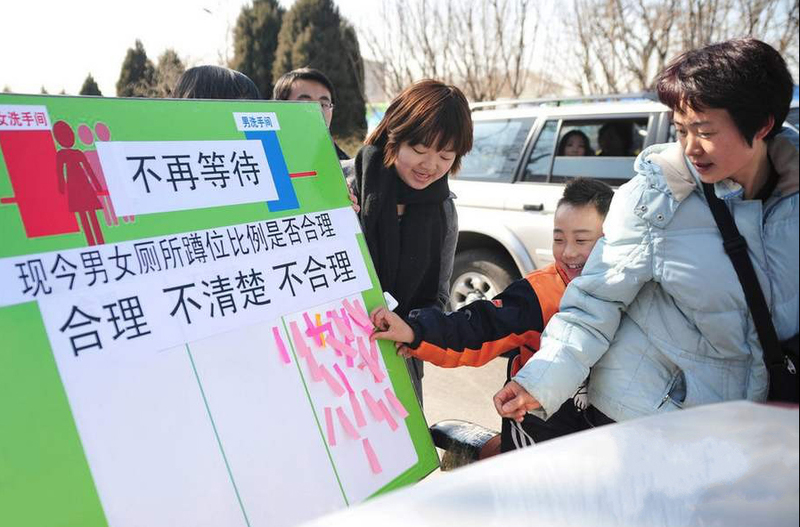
(55, 44)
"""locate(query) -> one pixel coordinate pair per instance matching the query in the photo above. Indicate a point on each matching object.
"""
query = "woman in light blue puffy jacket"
(658, 314)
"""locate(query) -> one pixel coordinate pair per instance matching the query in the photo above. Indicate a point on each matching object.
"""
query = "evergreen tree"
(255, 38)
(43, 90)
(137, 74)
(170, 67)
(90, 87)
(313, 34)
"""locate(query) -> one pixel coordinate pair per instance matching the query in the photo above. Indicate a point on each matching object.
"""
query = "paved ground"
(463, 393)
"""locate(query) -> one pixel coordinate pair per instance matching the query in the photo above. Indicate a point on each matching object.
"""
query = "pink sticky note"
(389, 419)
(281, 346)
(346, 319)
(333, 383)
(313, 368)
(349, 361)
(343, 377)
(372, 365)
(329, 425)
(396, 404)
(311, 329)
(359, 318)
(360, 421)
(360, 309)
(374, 464)
(299, 341)
(341, 346)
(346, 423)
(374, 409)
(340, 325)
(373, 351)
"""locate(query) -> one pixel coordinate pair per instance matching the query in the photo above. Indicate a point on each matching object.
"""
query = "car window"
(496, 148)
(599, 148)
(538, 166)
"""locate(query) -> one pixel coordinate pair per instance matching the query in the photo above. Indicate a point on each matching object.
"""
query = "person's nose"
(692, 145)
(571, 251)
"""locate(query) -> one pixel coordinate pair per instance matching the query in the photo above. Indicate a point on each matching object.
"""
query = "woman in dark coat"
(407, 211)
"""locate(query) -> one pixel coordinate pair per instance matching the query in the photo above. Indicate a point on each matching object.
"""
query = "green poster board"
(183, 299)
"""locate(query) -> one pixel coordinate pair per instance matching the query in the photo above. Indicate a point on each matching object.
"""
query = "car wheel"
(479, 274)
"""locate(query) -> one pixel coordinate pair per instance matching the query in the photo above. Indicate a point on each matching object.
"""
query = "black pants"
(567, 420)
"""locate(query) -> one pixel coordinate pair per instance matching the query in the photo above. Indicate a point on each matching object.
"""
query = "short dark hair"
(283, 86)
(583, 191)
(425, 113)
(214, 82)
(744, 76)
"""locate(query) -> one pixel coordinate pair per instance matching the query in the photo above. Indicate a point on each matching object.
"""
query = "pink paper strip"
(396, 404)
(347, 424)
(360, 309)
(359, 318)
(374, 464)
(372, 365)
(311, 330)
(329, 425)
(349, 362)
(374, 409)
(360, 421)
(389, 419)
(346, 319)
(281, 346)
(373, 351)
(313, 368)
(340, 325)
(333, 383)
(299, 341)
(343, 377)
(341, 346)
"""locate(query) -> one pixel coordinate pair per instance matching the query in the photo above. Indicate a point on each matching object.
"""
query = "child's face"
(419, 165)
(576, 230)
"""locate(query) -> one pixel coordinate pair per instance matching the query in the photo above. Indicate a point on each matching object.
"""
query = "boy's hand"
(389, 326)
(513, 402)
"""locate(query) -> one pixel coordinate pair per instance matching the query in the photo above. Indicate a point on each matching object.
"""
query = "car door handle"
(534, 207)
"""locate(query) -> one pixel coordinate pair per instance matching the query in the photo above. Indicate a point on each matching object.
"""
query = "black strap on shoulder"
(736, 247)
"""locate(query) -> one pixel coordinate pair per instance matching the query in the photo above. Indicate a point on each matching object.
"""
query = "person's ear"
(762, 132)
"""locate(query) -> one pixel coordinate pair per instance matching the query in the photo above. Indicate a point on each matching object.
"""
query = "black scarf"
(406, 251)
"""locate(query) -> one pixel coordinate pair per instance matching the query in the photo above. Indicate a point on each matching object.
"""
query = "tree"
(255, 39)
(90, 87)
(620, 45)
(314, 35)
(137, 74)
(485, 47)
(170, 67)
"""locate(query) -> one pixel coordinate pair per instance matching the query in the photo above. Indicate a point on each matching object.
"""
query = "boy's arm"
(478, 332)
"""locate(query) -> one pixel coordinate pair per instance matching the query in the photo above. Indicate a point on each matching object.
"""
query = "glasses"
(326, 105)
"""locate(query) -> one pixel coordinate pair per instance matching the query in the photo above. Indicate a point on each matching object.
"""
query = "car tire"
(479, 274)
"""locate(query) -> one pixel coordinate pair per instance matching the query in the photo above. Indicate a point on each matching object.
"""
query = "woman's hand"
(353, 200)
(513, 402)
(389, 326)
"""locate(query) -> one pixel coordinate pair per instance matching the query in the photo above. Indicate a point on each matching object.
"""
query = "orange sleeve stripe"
(450, 358)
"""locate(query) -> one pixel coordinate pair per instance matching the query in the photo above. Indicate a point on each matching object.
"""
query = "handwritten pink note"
(333, 383)
(329, 426)
(389, 419)
(299, 341)
(343, 377)
(396, 404)
(346, 423)
(359, 414)
(281, 346)
(374, 464)
(374, 409)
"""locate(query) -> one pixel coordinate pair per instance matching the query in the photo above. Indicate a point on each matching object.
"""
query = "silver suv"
(511, 181)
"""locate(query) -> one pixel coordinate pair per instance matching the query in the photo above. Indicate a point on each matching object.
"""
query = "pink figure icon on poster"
(77, 180)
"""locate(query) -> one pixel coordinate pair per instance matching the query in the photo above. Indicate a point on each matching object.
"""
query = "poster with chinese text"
(184, 291)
